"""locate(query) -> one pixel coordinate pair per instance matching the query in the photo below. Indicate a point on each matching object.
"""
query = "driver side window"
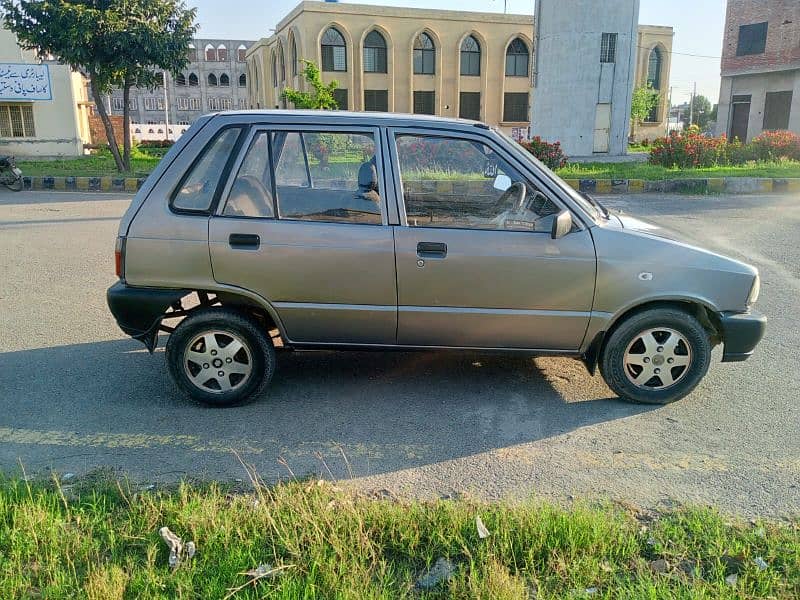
(464, 184)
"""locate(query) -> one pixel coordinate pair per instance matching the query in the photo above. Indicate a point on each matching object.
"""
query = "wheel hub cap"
(657, 359)
(218, 361)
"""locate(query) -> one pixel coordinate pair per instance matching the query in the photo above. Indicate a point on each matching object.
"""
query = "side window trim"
(301, 128)
(222, 183)
(301, 135)
(393, 134)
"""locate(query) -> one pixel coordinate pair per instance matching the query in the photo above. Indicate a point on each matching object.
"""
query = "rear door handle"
(244, 240)
(431, 250)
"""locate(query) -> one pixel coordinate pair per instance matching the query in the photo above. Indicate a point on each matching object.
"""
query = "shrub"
(689, 150)
(776, 145)
(549, 153)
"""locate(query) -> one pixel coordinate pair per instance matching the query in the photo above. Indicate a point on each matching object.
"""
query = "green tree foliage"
(645, 99)
(320, 96)
(115, 43)
(703, 113)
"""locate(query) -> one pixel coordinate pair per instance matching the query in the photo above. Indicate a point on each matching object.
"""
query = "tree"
(321, 96)
(645, 99)
(702, 113)
(115, 43)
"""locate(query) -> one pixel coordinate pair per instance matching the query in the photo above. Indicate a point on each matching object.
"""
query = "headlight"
(754, 291)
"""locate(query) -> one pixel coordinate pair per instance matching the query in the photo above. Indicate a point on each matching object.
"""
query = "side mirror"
(502, 182)
(562, 225)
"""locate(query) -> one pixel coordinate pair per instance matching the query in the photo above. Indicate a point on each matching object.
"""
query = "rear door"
(476, 264)
(302, 223)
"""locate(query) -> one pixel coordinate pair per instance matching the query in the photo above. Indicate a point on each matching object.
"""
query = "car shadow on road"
(382, 411)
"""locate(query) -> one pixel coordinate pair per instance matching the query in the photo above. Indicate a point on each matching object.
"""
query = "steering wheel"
(515, 189)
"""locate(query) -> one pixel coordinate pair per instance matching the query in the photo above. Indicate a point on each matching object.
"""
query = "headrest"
(368, 177)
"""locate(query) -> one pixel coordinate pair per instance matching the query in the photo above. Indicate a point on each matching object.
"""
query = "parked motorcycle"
(10, 175)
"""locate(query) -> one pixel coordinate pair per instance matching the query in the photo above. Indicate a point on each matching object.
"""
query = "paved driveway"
(75, 395)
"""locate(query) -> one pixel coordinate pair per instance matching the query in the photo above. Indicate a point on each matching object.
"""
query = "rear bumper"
(138, 311)
(741, 333)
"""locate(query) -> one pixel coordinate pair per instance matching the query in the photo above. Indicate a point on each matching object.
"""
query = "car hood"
(623, 221)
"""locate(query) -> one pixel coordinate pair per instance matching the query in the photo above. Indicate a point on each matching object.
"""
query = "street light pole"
(166, 106)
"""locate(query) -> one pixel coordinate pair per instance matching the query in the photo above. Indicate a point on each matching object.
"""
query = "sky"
(697, 46)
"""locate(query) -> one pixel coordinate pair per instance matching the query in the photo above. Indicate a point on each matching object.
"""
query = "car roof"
(343, 117)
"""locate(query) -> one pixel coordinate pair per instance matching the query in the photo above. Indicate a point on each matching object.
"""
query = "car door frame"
(540, 181)
(387, 208)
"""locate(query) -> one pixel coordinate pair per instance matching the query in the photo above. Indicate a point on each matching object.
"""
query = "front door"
(302, 223)
(602, 128)
(740, 118)
(476, 264)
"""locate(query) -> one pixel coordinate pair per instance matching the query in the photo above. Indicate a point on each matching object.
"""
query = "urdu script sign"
(25, 82)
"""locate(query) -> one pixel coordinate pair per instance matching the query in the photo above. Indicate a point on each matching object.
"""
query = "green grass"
(97, 165)
(100, 540)
(638, 148)
(654, 172)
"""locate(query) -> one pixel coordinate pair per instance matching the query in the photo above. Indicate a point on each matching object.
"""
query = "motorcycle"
(10, 175)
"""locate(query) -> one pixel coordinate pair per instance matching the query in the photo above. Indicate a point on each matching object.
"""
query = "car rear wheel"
(220, 357)
(656, 357)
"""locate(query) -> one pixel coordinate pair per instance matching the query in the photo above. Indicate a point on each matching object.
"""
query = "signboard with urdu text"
(25, 82)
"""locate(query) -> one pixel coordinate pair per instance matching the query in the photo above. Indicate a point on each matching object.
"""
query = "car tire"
(220, 357)
(657, 356)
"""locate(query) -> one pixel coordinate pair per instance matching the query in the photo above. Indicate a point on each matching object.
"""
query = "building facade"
(653, 68)
(43, 105)
(215, 80)
(448, 63)
(760, 88)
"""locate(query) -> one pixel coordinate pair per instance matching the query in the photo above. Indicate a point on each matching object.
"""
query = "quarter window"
(464, 184)
(197, 190)
(251, 194)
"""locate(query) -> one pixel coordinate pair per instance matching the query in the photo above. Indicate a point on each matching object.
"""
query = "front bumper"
(139, 310)
(741, 333)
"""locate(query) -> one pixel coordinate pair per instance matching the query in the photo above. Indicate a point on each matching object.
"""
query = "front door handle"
(431, 250)
(249, 241)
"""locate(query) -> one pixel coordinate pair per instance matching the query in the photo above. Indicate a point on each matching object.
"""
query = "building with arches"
(653, 66)
(450, 63)
(215, 79)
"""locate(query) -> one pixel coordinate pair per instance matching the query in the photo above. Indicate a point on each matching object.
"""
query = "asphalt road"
(76, 395)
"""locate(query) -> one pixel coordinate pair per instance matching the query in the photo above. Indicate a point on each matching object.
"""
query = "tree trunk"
(126, 126)
(101, 110)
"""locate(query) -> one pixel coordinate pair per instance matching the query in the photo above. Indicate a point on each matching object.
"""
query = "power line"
(682, 53)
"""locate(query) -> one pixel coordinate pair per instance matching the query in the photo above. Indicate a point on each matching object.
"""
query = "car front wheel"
(656, 357)
(220, 357)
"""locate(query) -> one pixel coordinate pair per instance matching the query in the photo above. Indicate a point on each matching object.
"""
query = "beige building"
(448, 63)
(653, 66)
(44, 108)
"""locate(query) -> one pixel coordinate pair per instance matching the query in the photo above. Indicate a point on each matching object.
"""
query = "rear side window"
(196, 192)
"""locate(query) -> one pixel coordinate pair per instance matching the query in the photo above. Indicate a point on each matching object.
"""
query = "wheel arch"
(698, 308)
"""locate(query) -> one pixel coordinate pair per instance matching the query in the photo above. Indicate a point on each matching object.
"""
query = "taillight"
(119, 257)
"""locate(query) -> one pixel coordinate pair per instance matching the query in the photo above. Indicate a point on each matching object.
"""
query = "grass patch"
(100, 164)
(647, 171)
(100, 540)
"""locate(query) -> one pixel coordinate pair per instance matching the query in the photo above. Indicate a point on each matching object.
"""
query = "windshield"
(589, 206)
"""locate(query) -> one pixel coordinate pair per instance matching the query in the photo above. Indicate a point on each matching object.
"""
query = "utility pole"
(691, 105)
(166, 106)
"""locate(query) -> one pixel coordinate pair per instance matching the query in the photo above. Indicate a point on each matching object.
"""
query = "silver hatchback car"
(334, 230)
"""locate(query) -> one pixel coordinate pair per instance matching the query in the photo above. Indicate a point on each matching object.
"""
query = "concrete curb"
(729, 185)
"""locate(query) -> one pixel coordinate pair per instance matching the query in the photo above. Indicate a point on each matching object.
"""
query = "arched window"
(224, 80)
(470, 56)
(424, 55)
(293, 55)
(240, 52)
(275, 69)
(281, 63)
(211, 53)
(517, 59)
(334, 51)
(222, 53)
(193, 80)
(242, 80)
(192, 53)
(654, 69)
(212, 80)
(180, 80)
(374, 53)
